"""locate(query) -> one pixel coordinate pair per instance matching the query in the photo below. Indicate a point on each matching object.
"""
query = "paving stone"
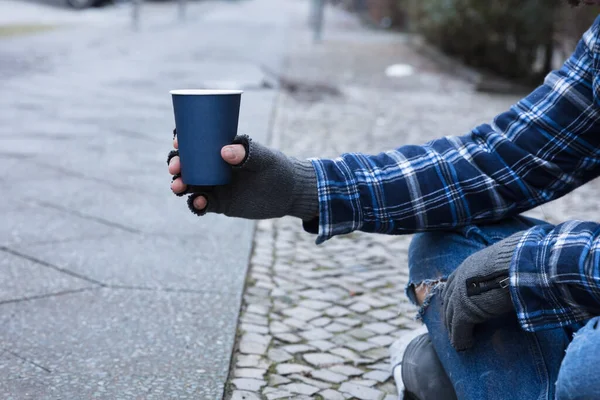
(275, 380)
(254, 319)
(337, 311)
(380, 327)
(296, 323)
(329, 376)
(322, 359)
(314, 304)
(336, 328)
(348, 321)
(247, 347)
(361, 392)
(378, 353)
(380, 366)
(319, 322)
(277, 394)
(325, 295)
(377, 375)
(360, 307)
(278, 327)
(322, 345)
(301, 388)
(382, 340)
(244, 395)
(360, 346)
(331, 394)
(346, 370)
(297, 348)
(302, 313)
(312, 382)
(375, 302)
(287, 337)
(364, 382)
(316, 334)
(286, 369)
(255, 337)
(279, 355)
(253, 373)
(376, 283)
(361, 333)
(391, 397)
(251, 361)
(254, 328)
(248, 384)
(346, 353)
(384, 315)
(389, 388)
(342, 338)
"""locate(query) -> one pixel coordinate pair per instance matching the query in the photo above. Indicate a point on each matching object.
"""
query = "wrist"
(305, 198)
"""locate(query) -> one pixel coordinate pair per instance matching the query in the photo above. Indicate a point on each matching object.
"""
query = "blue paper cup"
(206, 120)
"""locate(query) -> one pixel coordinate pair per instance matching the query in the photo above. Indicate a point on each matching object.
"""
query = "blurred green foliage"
(516, 39)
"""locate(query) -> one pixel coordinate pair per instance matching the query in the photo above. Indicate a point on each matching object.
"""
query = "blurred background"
(111, 289)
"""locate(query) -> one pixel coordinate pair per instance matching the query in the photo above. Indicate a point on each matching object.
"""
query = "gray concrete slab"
(24, 279)
(116, 344)
(21, 225)
(86, 122)
(153, 262)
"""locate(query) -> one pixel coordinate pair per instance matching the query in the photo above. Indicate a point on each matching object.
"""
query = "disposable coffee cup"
(206, 120)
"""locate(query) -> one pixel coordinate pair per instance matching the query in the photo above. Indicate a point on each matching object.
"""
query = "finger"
(175, 166)
(177, 186)
(233, 154)
(200, 203)
(175, 143)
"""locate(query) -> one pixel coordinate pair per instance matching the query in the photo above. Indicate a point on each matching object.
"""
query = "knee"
(425, 271)
(432, 255)
(577, 376)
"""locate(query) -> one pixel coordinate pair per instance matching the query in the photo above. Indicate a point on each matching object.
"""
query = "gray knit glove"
(267, 184)
(478, 291)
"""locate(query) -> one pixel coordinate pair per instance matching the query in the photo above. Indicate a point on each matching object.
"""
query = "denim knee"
(432, 257)
(577, 378)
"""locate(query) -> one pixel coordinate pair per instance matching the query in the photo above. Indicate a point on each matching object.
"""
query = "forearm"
(540, 149)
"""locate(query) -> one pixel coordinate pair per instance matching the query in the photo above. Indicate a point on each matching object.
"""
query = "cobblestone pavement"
(317, 321)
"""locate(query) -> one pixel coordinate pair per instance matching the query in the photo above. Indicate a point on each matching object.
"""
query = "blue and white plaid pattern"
(545, 146)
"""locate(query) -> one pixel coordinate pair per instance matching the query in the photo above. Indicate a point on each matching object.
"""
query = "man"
(511, 304)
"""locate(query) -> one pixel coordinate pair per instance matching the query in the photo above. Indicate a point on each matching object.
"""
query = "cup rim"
(204, 92)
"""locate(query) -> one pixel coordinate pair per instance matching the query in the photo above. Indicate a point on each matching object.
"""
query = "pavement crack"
(45, 296)
(159, 289)
(87, 216)
(28, 360)
(52, 266)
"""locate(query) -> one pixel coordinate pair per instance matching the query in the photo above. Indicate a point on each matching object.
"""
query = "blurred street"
(111, 289)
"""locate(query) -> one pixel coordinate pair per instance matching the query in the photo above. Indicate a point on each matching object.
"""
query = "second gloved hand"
(478, 291)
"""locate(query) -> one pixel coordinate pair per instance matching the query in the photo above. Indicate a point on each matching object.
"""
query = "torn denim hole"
(433, 286)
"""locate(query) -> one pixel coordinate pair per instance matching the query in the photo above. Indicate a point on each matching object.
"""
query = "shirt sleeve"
(540, 149)
(555, 275)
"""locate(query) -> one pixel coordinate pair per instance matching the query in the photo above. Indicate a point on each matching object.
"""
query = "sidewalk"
(109, 287)
(317, 322)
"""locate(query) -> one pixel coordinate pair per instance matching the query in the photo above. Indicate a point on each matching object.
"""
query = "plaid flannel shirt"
(545, 146)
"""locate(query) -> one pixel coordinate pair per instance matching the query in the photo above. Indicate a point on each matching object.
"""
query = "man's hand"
(265, 184)
(478, 291)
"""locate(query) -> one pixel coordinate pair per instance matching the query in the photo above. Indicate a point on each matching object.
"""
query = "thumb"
(233, 154)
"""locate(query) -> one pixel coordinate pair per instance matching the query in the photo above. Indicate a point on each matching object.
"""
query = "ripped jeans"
(505, 362)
